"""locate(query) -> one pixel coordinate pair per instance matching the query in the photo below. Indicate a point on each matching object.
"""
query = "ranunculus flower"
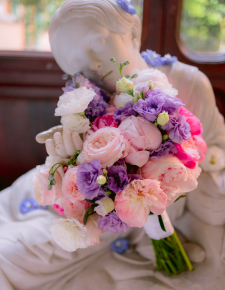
(175, 178)
(70, 234)
(122, 99)
(201, 146)
(75, 101)
(75, 123)
(105, 205)
(138, 199)
(75, 209)
(70, 187)
(107, 145)
(112, 223)
(214, 159)
(125, 85)
(142, 136)
(42, 195)
(103, 121)
(195, 124)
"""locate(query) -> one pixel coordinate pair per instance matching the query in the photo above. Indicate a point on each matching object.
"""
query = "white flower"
(70, 234)
(163, 118)
(121, 100)
(125, 85)
(75, 101)
(106, 205)
(214, 159)
(75, 123)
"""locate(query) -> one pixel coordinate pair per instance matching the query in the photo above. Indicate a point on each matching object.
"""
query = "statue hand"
(60, 142)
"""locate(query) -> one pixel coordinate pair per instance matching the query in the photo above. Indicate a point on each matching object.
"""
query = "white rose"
(106, 205)
(214, 159)
(75, 101)
(70, 234)
(121, 100)
(125, 85)
(75, 123)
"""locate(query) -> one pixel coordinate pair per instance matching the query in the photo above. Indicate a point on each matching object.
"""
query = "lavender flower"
(117, 178)
(121, 113)
(154, 59)
(112, 223)
(127, 6)
(78, 81)
(87, 175)
(165, 148)
(120, 245)
(96, 107)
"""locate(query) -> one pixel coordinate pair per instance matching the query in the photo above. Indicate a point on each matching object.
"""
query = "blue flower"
(120, 245)
(127, 6)
(30, 204)
(154, 59)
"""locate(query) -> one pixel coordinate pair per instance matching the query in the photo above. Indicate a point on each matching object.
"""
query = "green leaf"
(181, 196)
(151, 213)
(89, 201)
(88, 212)
(161, 223)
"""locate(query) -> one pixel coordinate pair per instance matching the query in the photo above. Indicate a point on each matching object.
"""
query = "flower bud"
(105, 205)
(163, 118)
(125, 85)
(150, 85)
(101, 179)
(165, 137)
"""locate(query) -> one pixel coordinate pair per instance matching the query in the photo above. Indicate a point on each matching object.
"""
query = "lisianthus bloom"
(42, 195)
(166, 148)
(70, 234)
(75, 123)
(103, 121)
(70, 187)
(214, 159)
(175, 178)
(117, 178)
(75, 209)
(122, 113)
(122, 99)
(195, 124)
(75, 101)
(112, 223)
(107, 145)
(142, 136)
(96, 107)
(87, 178)
(138, 199)
(201, 146)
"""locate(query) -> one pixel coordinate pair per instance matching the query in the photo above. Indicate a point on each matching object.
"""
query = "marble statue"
(84, 35)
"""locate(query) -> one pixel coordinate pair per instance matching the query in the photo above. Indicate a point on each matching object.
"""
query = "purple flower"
(120, 245)
(127, 6)
(165, 148)
(121, 162)
(78, 81)
(96, 107)
(168, 59)
(87, 175)
(101, 194)
(117, 178)
(30, 204)
(124, 112)
(154, 59)
(180, 132)
(112, 223)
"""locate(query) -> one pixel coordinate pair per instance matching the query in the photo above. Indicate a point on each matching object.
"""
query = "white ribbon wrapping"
(154, 230)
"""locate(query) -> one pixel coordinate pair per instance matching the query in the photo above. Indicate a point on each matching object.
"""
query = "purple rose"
(117, 178)
(121, 113)
(165, 148)
(87, 175)
(112, 223)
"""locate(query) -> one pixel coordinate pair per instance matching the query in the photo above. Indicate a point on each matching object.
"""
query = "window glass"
(203, 25)
(24, 23)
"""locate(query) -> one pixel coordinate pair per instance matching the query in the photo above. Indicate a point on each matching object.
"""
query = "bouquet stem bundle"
(171, 256)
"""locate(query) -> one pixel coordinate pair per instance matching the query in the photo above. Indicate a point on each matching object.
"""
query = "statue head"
(85, 34)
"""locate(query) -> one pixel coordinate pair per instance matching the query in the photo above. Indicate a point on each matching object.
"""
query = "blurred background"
(31, 81)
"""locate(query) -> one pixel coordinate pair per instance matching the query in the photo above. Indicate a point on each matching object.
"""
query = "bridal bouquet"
(136, 153)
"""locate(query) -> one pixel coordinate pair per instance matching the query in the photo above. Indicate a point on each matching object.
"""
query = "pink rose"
(201, 146)
(92, 229)
(135, 202)
(58, 209)
(142, 135)
(107, 145)
(106, 120)
(75, 209)
(41, 182)
(69, 185)
(175, 178)
(195, 124)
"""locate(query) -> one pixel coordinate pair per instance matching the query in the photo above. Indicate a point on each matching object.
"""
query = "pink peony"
(59, 209)
(107, 145)
(69, 186)
(153, 75)
(175, 178)
(92, 229)
(41, 182)
(75, 209)
(106, 120)
(142, 136)
(135, 202)
(201, 146)
(195, 124)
